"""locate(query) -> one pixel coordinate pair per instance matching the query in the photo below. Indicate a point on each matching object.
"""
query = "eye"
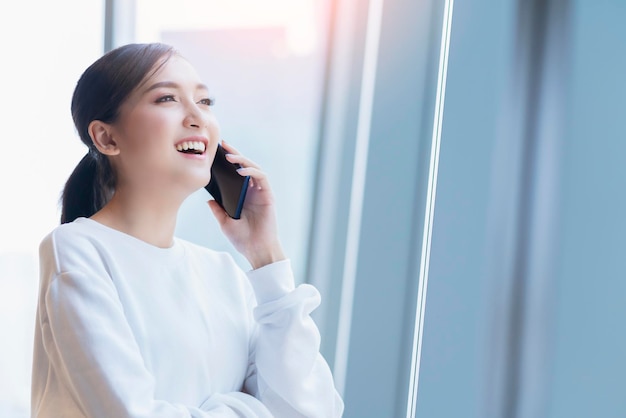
(166, 98)
(207, 101)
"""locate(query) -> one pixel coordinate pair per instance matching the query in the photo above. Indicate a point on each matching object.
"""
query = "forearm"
(292, 379)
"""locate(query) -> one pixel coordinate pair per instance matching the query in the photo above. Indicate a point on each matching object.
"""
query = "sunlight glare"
(299, 18)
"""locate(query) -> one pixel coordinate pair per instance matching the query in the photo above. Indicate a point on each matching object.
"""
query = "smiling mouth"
(191, 147)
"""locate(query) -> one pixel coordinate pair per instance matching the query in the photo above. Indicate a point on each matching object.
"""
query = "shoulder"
(73, 234)
(68, 231)
(68, 244)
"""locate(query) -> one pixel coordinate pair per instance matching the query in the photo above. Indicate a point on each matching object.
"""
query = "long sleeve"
(289, 375)
(93, 352)
(129, 330)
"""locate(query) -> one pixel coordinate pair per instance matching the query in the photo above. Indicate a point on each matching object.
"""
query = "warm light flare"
(299, 18)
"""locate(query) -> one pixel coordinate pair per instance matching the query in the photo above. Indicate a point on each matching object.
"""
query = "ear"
(102, 137)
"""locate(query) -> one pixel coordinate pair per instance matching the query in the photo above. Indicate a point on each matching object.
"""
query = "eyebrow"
(171, 84)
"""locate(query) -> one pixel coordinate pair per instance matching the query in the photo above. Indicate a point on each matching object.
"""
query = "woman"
(134, 322)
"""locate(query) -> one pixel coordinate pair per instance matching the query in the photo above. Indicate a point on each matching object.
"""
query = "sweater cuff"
(272, 281)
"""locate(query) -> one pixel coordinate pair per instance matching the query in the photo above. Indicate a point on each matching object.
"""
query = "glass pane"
(42, 60)
(263, 62)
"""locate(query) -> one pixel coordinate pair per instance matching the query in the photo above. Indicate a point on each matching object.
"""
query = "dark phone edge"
(242, 197)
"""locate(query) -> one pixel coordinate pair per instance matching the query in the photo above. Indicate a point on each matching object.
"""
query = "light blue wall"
(590, 353)
(453, 360)
(392, 211)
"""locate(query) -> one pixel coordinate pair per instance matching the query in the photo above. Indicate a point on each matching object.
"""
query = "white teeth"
(193, 145)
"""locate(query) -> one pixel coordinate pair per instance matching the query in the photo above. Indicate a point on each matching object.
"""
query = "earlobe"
(102, 137)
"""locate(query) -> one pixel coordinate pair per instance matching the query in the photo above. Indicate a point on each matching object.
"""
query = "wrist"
(265, 256)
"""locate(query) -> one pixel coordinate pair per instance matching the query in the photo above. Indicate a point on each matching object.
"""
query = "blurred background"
(477, 262)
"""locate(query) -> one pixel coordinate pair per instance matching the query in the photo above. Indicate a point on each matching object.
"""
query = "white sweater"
(127, 329)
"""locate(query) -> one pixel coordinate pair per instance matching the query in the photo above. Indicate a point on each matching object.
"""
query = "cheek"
(147, 130)
(214, 130)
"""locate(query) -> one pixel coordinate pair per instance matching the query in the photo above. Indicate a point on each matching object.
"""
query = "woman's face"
(166, 133)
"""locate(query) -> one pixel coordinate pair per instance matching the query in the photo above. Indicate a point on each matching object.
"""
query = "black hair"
(99, 94)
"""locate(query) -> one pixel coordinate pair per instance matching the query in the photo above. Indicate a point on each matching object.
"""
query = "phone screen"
(227, 187)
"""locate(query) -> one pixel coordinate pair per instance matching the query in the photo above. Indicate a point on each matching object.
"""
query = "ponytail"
(88, 189)
(98, 95)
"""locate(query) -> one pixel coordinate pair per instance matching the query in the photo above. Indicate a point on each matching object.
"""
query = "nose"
(193, 117)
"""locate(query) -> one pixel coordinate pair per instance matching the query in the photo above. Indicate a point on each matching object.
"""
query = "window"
(41, 148)
(263, 63)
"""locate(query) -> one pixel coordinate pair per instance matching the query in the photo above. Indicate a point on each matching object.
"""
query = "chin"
(196, 177)
(200, 181)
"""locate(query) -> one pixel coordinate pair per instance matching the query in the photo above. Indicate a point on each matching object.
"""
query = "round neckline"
(174, 249)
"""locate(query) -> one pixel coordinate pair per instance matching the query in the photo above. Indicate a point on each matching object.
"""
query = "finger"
(235, 157)
(220, 214)
(229, 148)
(253, 172)
(241, 160)
(258, 178)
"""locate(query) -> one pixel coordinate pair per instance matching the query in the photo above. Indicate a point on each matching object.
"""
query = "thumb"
(220, 214)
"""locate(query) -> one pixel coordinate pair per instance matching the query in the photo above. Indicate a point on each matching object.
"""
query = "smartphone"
(227, 187)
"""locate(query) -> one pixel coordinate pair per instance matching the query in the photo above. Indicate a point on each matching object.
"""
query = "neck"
(144, 216)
